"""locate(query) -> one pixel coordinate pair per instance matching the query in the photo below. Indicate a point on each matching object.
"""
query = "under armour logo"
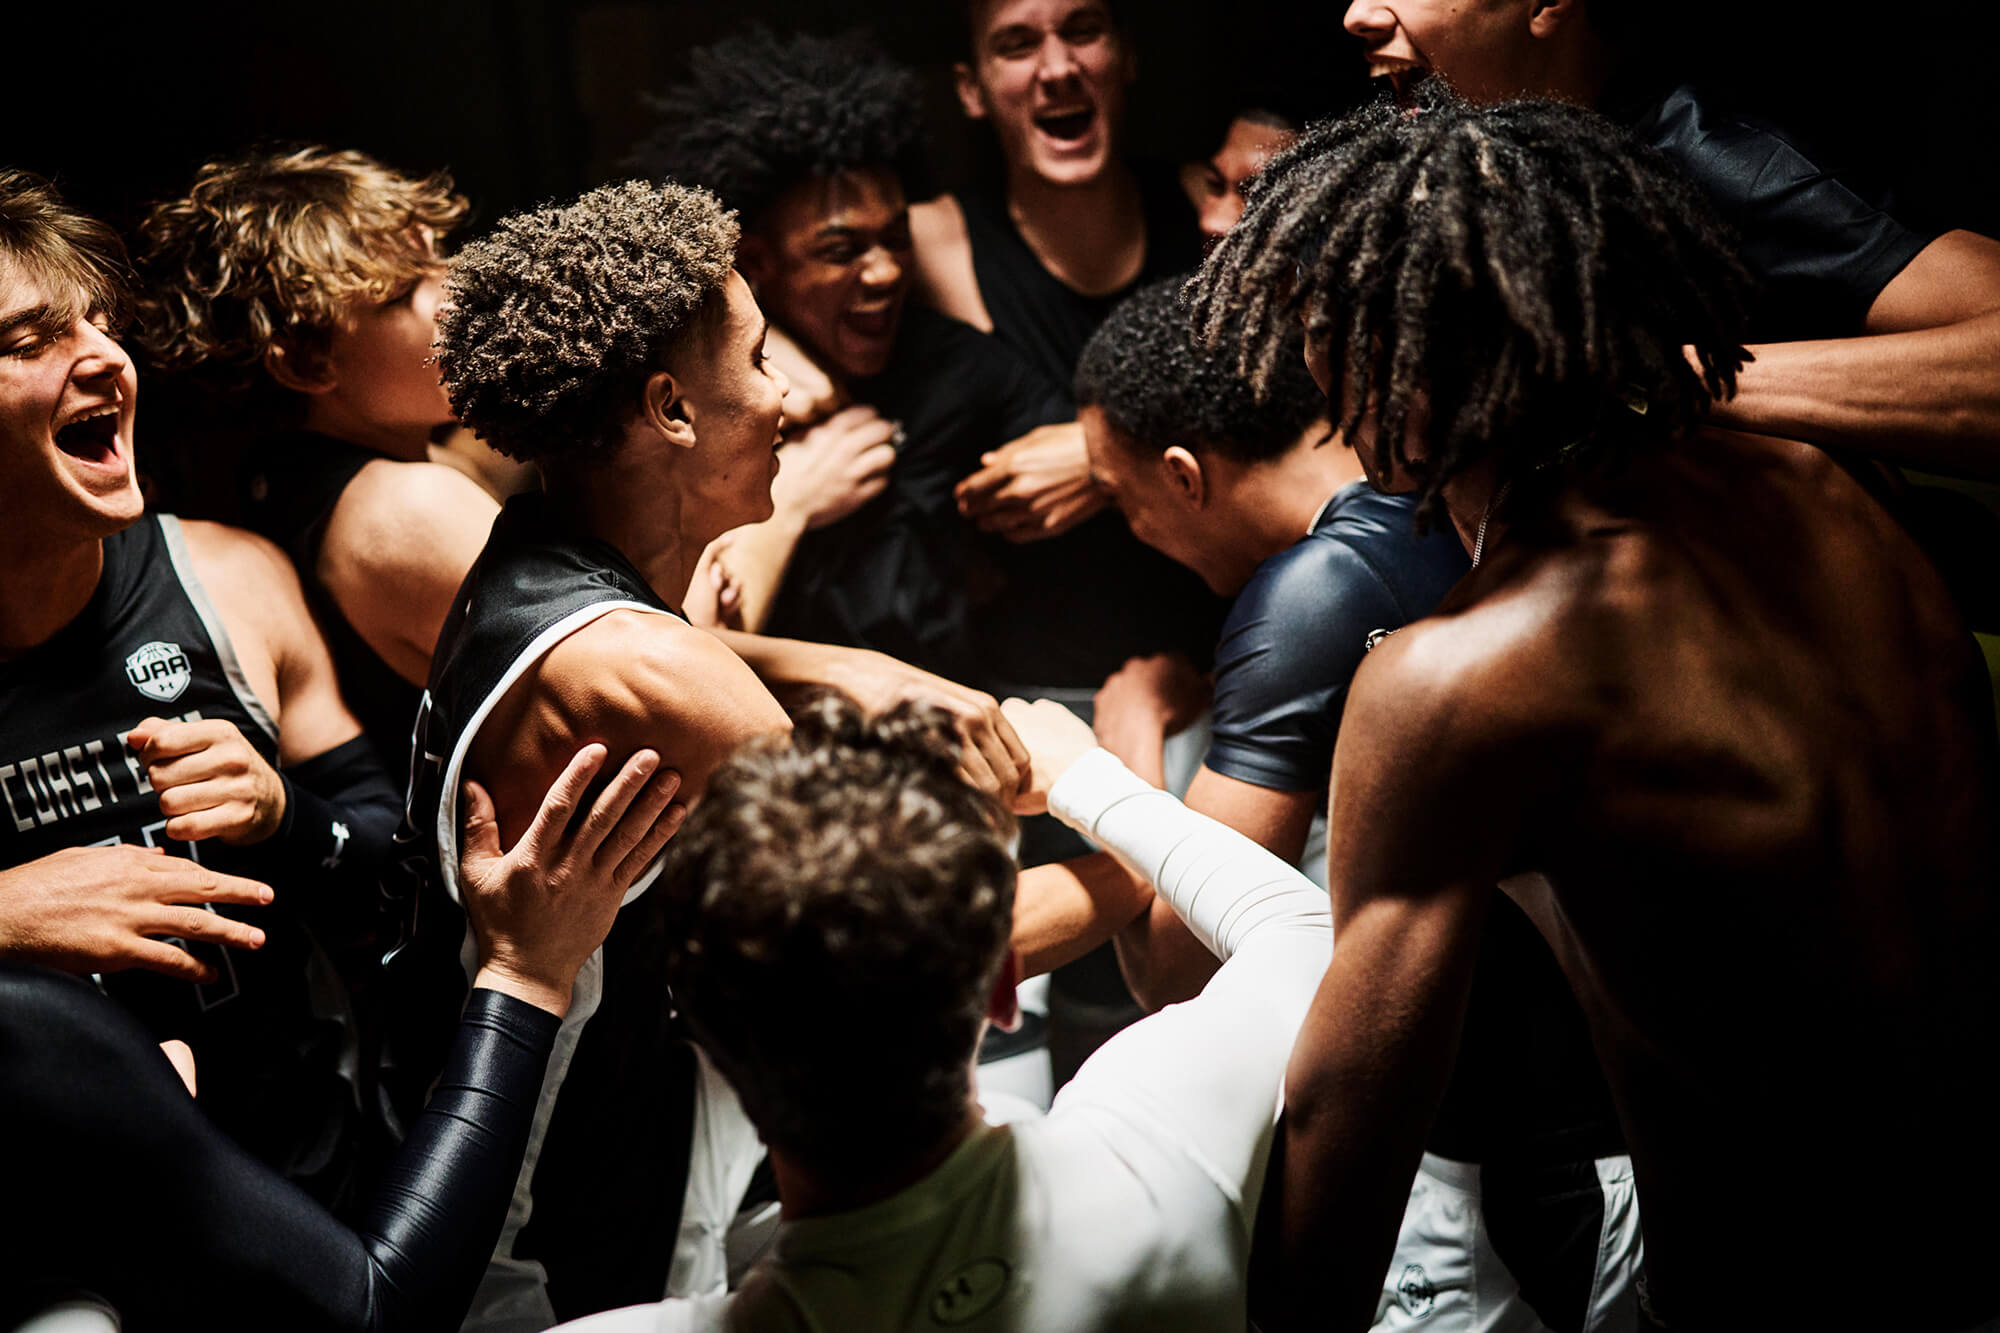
(1416, 1292)
(331, 861)
(971, 1291)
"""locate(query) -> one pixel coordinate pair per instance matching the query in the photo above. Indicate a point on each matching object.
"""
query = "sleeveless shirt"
(149, 644)
(607, 1160)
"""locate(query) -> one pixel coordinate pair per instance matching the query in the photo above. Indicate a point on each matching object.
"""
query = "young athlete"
(312, 279)
(1215, 187)
(840, 904)
(162, 686)
(1701, 709)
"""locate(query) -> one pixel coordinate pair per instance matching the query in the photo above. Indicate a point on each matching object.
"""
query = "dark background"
(526, 100)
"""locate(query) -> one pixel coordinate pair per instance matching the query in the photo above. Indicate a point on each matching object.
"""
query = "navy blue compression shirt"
(1823, 246)
(1299, 628)
(119, 1187)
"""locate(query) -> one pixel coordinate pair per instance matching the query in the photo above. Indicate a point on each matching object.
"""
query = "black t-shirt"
(149, 644)
(1823, 246)
(906, 574)
(293, 484)
(1298, 631)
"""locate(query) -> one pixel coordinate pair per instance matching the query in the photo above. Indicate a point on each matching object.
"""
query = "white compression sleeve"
(1223, 885)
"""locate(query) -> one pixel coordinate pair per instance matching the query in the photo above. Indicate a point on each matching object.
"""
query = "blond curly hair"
(274, 250)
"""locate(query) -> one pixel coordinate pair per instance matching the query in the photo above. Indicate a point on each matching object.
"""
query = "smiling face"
(68, 394)
(732, 399)
(1485, 49)
(1051, 76)
(1160, 512)
(831, 261)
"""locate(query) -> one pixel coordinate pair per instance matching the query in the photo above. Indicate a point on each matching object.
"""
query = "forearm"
(341, 812)
(1138, 737)
(758, 557)
(1928, 398)
(1223, 885)
(1064, 910)
(431, 1223)
(789, 668)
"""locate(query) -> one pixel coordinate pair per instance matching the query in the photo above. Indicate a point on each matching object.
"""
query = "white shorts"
(1446, 1274)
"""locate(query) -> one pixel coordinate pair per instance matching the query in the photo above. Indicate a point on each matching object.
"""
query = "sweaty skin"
(1715, 724)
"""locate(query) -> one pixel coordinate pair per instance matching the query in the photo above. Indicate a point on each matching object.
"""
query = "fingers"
(191, 923)
(639, 835)
(163, 740)
(182, 1059)
(163, 958)
(975, 492)
(614, 802)
(564, 796)
(973, 764)
(191, 883)
(480, 839)
(653, 843)
(1017, 752)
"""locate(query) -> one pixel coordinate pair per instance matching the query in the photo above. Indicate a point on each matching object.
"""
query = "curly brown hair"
(840, 905)
(275, 249)
(77, 260)
(553, 322)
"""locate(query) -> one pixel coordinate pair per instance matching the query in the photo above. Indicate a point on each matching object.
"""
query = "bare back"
(1756, 763)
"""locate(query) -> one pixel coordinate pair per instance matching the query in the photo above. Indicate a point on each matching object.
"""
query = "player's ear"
(1184, 473)
(753, 260)
(1547, 17)
(971, 97)
(297, 371)
(1003, 1005)
(665, 409)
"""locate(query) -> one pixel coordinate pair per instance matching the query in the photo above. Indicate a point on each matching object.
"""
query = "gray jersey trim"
(197, 595)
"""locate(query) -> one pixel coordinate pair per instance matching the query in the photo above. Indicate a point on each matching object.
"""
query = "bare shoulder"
(394, 514)
(241, 571)
(943, 253)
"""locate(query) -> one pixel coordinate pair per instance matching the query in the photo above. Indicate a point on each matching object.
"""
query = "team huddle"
(1481, 695)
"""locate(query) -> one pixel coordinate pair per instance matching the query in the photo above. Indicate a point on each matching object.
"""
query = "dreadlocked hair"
(760, 113)
(1516, 281)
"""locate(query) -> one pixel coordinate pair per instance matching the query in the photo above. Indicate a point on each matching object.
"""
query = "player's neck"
(1470, 498)
(327, 415)
(641, 517)
(1279, 500)
(804, 1192)
(42, 589)
(1090, 237)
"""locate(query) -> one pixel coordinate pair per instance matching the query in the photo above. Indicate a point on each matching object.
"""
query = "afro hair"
(760, 113)
(1159, 387)
(554, 321)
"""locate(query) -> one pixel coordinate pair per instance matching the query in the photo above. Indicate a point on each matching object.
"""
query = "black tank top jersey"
(608, 1176)
(290, 496)
(1101, 595)
(1032, 310)
(149, 644)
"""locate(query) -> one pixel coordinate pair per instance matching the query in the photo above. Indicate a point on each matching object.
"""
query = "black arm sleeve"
(121, 1188)
(341, 812)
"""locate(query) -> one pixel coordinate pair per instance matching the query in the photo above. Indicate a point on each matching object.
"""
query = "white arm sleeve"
(1202, 1079)
(1223, 885)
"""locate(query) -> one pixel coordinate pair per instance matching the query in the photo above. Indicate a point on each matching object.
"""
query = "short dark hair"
(553, 322)
(79, 260)
(1161, 388)
(970, 17)
(759, 114)
(1527, 273)
(839, 907)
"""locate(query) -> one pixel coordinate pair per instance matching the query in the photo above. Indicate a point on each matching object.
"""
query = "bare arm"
(1921, 387)
(631, 681)
(398, 545)
(1426, 803)
(993, 757)
(945, 279)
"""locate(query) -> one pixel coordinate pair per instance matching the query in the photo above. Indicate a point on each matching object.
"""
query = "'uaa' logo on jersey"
(160, 670)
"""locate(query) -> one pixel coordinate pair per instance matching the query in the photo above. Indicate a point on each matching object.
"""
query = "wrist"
(541, 994)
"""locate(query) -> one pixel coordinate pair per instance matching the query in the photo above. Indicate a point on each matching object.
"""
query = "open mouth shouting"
(91, 436)
(1403, 76)
(1067, 126)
